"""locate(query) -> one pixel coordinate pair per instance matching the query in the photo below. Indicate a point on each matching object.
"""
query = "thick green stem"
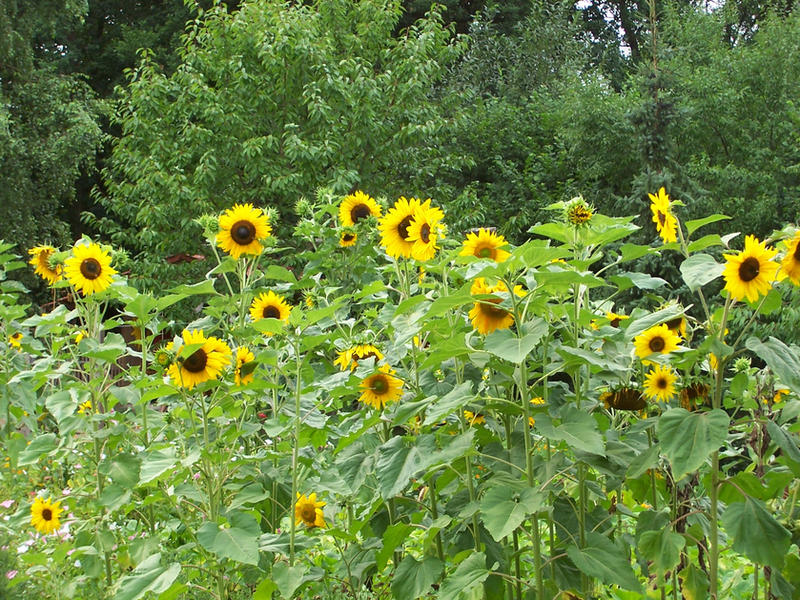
(295, 451)
(435, 516)
(714, 532)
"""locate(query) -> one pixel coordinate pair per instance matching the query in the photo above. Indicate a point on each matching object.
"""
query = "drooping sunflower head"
(790, 265)
(486, 315)
(269, 305)
(677, 325)
(45, 515)
(244, 366)
(424, 230)
(347, 239)
(624, 398)
(89, 268)
(750, 273)
(203, 364)
(348, 359)
(394, 228)
(614, 319)
(656, 340)
(666, 223)
(14, 341)
(474, 418)
(307, 510)
(659, 384)
(241, 230)
(485, 243)
(381, 388)
(578, 212)
(694, 395)
(40, 259)
(356, 207)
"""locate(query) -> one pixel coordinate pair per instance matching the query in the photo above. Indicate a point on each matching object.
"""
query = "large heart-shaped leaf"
(687, 438)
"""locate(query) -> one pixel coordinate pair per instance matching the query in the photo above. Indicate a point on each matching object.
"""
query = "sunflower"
(394, 228)
(349, 358)
(241, 230)
(40, 259)
(750, 273)
(614, 319)
(243, 371)
(347, 239)
(659, 384)
(779, 393)
(380, 388)
(89, 268)
(85, 407)
(486, 316)
(425, 228)
(624, 398)
(677, 325)
(485, 244)
(307, 510)
(474, 418)
(44, 515)
(269, 305)
(203, 364)
(790, 265)
(578, 212)
(357, 206)
(656, 340)
(14, 341)
(694, 395)
(666, 224)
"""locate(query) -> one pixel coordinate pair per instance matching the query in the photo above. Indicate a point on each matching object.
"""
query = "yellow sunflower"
(241, 230)
(659, 384)
(624, 398)
(678, 325)
(380, 388)
(358, 206)
(485, 244)
(203, 364)
(656, 340)
(307, 510)
(89, 268)
(394, 228)
(44, 515)
(85, 407)
(425, 228)
(578, 212)
(348, 359)
(666, 224)
(790, 265)
(694, 395)
(14, 340)
(347, 239)
(40, 259)
(243, 371)
(474, 418)
(614, 319)
(485, 315)
(750, 273)
(269, 305)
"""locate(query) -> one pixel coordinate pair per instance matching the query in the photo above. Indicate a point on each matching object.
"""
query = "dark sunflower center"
(485, 252)
(360, 211)
(271, 312)
(657, 344)
(614, 322)
(425, 233)
(796, 254)
(370, 354)
(379, 385)
(196, 361)
(90, 268)
(243, 232)
(674, 323)
(662, 218)
(661, 383)
(749, 269)
(493, 311)
(308, 513)
(402, 228)
(348, 237)
(47, 514)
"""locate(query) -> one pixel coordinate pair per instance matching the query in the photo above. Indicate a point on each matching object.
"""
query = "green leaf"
(39, 446)
(694, 583)
(63, 403)
(204, 287)
(237, 544)
(469, 574)
(413, 578)
(288, 579)
(644, 461)
(630, 252)
(688, 438)
(601, 558)
(123, 469)
(149, 576)
(114, 496)
(503, 509)
(577, 428)
(652, 319)
(700, 269)
(662, 547)
(393, 537)
(454, 400)
(692, 226)
(442, 304)
(756, 533)
(784, 441)
(264, 590)
(279, 273)
(506, 345)
(705, 242)
(155, 464)
(780, 358)
(642, 281)
(111, 349)
(397, 463)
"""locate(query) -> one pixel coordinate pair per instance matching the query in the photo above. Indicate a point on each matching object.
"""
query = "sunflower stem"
(295, 448)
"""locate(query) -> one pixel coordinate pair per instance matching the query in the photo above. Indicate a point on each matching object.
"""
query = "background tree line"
(128, 119)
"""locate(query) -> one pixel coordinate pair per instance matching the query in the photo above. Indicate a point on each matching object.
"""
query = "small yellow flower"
(348, 359)
(44, 515)
(85, 407)
(347, 239)
(666, 223)
(659, 384)
(790, 265)
(485, 244)
(474, 418)
(40, 259)
(381, 388)
(243, 371)
(307, 510)
(357, 206)
(14, 340)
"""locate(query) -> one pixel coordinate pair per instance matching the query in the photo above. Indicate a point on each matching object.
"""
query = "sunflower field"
(414, 414)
